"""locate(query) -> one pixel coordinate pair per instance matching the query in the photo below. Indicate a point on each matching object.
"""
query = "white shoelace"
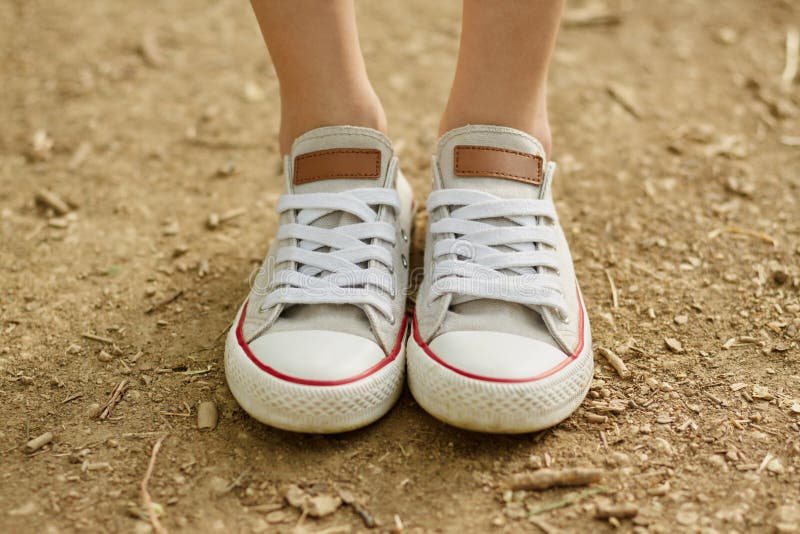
(495, 248)
(335, 265)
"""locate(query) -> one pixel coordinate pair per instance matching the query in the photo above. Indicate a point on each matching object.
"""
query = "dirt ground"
(679, 152)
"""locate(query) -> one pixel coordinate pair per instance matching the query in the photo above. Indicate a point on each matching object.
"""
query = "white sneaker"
(319, 344)
(501, 339)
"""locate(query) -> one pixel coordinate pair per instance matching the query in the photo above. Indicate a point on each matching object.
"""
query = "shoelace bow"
(334, 265)
(495, 248)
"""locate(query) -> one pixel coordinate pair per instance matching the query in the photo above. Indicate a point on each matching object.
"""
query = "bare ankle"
(299, 117)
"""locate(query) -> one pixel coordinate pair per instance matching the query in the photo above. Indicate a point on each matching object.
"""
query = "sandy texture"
(678, 182)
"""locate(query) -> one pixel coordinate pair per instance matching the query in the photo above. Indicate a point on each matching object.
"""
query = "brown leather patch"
(497, 163)
(337, 163)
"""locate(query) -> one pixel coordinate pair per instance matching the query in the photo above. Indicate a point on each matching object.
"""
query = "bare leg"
(323, 81)
(501, 77)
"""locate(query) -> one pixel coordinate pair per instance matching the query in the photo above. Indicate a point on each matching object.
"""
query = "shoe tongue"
(498, 160)
(338, 158)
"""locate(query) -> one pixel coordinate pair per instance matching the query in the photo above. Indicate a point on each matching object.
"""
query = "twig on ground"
(235, 483)
(792, 58)
(615, 362)
(744, 231)
(150, 50)
(614, 294)
(624, 97)
(161, 304)
(112, 401)
(95, 337)
(79, 156)
(551, 478)
(232, 214)
(72, 398)
(51, 200)
(147, 502)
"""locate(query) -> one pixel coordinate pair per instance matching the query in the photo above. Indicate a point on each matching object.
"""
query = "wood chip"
(50, 200)
(620, 511)
(681, 319)
(551, 478)
(674, 345)
(150, 50)
(38, 442)
(596, 418)
(792, 59)
(41, 146)
(79, 156)
(615, 362)
(207, 415)
(762, 393)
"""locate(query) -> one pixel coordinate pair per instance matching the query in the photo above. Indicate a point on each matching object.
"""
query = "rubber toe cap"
(316, 355)
(497, 356)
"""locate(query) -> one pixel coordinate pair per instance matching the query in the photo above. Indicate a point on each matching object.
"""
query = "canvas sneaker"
(319, 344)
(501, 339)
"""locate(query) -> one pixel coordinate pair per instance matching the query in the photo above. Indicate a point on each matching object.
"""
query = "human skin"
(500, 79)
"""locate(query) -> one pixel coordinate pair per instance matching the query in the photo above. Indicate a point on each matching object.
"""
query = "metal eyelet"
(404, 260)
(404, 235)
(391, 320)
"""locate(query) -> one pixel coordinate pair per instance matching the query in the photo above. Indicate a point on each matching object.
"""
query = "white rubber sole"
(313, 409)
(497, 407)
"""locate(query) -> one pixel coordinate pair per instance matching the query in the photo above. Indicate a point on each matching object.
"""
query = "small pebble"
(674, 345)
(775, 466)
(278, 516)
